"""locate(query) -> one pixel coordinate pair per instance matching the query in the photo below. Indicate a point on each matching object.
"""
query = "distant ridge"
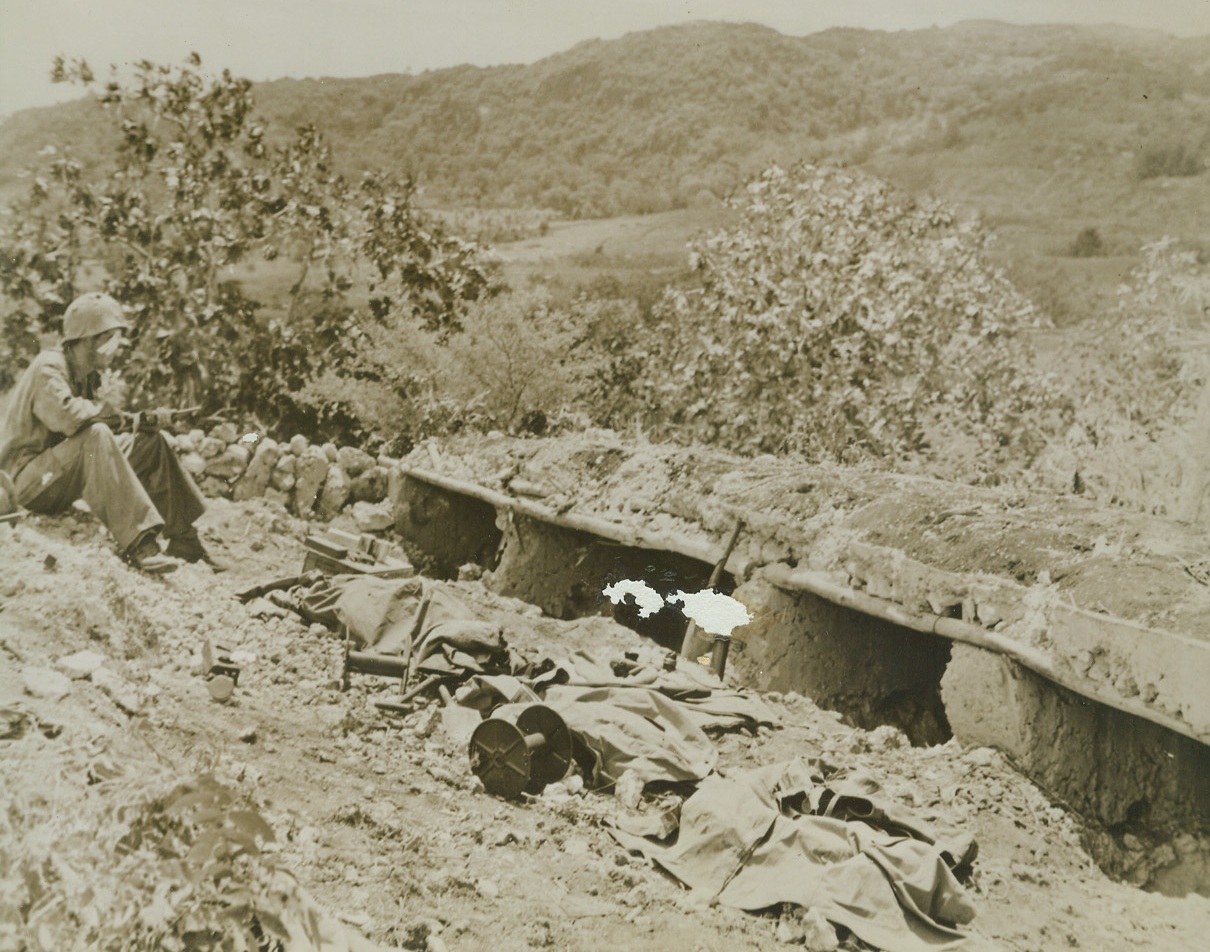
(1043, 129)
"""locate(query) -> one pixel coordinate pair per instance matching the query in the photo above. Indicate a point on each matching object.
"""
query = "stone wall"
(312, 481)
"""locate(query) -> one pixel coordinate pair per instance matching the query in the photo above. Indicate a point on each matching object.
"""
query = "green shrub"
(516, 362)
(193, 192)
(1135, 381)
(1087, 244)
(844, 321)
(1176, 160)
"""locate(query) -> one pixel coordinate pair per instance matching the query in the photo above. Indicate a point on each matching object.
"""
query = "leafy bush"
(513, 357)
(1138, 435)
(843, 321)
(517, 362)
(1177, 160)
(193, 193)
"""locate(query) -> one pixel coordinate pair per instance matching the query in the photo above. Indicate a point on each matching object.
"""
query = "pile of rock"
(311, 480)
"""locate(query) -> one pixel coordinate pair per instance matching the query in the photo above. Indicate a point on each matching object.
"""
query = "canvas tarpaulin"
(702, 696)
(437, 631)
(414, 618)
(628, 711)
(634, 729)
(750, 842)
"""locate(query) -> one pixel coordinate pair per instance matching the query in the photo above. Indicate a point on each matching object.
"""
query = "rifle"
(139, 422)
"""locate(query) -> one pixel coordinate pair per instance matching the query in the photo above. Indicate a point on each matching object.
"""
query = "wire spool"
(511, 759)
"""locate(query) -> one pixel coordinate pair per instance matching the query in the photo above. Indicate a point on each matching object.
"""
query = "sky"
(269, 39)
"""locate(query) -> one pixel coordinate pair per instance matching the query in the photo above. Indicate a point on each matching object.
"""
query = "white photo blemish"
(648, 600)
(712, 612)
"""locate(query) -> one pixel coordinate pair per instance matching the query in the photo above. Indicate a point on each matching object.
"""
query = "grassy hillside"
(1046, 131)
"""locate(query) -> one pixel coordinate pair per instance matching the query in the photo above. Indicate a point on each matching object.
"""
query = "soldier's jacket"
(48, 404)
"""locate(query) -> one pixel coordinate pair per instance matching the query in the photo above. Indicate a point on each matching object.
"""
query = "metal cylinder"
(511, 759)
(370, 662)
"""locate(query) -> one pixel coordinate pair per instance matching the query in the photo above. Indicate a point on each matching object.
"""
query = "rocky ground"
(380, 817)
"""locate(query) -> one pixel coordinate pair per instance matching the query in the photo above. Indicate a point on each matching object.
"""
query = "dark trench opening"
(871, 671)
(666, 573)
(442, 530)
(913, 705)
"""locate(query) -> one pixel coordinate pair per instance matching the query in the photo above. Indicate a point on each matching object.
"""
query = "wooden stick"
(719, 567)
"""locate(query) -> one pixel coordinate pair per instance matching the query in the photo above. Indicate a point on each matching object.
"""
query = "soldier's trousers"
(133, 483)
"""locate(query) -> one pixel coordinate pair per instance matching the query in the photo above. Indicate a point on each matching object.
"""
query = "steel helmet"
(91, 314)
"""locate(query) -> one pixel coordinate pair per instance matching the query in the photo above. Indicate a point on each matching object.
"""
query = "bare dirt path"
(381, 818)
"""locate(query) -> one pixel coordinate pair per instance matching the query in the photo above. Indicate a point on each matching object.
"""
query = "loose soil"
(381, 818)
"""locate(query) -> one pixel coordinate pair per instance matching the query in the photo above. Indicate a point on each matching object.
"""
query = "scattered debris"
(373, 516)
(218, 668)
(818, 934)
(15, 723)
(341, 553)
(124, 694)
(512, 758)
(474, 866)
(221, 687)
(629, 790)
(470, 572)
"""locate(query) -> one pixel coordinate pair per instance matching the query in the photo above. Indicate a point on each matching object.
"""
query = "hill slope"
(1045, 130)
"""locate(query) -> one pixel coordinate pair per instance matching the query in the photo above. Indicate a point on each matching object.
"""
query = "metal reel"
(550, 761)
(511, 759)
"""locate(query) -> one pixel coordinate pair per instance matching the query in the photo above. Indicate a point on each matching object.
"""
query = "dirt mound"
(1145, 569)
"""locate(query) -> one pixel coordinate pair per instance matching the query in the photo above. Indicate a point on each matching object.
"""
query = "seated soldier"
(57, 444)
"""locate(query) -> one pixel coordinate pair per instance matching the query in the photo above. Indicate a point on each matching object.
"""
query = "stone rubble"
(310, 480)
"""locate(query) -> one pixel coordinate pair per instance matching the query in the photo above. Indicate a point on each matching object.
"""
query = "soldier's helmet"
(91, 314)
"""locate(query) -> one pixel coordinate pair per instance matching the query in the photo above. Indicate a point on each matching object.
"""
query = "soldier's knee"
(98, 433)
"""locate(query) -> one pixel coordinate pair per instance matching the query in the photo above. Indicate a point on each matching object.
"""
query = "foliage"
(516, 362)
(840, 320)
(196, 191)
(1138, 431)
(1036, 127)
(184, 869)
(515, 358)
(1177, 159)
(1152, 361)
(613, 361)
(1087, 244)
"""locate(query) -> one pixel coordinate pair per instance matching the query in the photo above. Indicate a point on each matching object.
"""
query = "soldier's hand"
(112, 390)
(161, 417)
